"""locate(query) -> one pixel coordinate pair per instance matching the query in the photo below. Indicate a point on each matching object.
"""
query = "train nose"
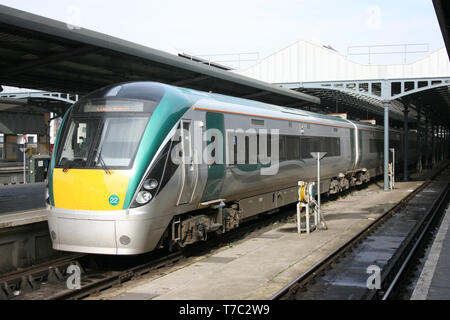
(82, 189)
(83, 235)
(104, 232)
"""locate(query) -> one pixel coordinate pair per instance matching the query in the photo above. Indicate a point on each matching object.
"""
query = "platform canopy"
(45, 54)
(366, 98)
(346, 86)
(442, 8)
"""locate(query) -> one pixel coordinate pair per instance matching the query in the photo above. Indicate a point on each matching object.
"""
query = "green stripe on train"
(171, 108)
(216, 172)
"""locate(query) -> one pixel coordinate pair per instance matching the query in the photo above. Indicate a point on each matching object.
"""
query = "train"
(139, 166)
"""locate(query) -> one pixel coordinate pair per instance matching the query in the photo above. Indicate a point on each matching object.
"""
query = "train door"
(216, 171)
(353, 149)
(189, 170)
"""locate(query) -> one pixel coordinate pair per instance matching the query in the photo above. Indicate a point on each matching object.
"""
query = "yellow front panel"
(90, 189)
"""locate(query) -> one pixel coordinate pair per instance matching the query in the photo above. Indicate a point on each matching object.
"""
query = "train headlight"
(143, 197)
(150, 184)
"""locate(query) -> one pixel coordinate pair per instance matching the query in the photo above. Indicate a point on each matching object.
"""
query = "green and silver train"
(141, 165)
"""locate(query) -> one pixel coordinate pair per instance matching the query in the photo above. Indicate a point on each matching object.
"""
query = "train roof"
(260, 105)
(286, 111)
(154, 91)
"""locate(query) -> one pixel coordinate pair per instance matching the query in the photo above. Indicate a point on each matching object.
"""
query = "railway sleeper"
(55, 275)
(5, 291)
(28, 284)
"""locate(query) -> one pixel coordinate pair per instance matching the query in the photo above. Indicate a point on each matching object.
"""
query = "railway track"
(48, 281)
(19, 282)
(343, 273)
(98, 273)
(12, 175)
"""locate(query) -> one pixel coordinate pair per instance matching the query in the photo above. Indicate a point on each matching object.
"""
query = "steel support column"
(405, 143)
(433, 144)
(448, 142)
(439, 143)
(386, 145)
(427, 155)
(419, 142)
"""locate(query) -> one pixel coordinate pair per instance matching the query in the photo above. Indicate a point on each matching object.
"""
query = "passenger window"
(247, 146)
(282, 155)
(293, 147)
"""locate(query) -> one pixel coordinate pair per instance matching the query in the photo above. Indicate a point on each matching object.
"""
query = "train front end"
(102, 154)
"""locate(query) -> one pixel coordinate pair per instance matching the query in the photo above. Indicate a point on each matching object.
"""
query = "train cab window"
(80, 138)
(119, 141)
(98, 142)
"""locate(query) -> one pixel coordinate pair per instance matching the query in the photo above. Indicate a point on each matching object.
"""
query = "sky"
(206, 27)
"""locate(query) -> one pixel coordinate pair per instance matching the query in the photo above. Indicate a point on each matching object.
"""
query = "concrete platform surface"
(256, 268)
(22, 218)
(21, 197)
(434, 280)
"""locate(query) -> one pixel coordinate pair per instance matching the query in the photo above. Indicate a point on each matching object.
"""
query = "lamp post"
(21, 141)
(318, 156)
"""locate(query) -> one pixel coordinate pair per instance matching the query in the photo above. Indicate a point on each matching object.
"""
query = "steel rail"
(111, 279)
(315, 270)
(437, 205)
(21, 279)
(140, 270)
(117, 279)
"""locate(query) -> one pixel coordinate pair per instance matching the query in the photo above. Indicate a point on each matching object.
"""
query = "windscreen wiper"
(67, 166)
(70, 164)
(102, 162)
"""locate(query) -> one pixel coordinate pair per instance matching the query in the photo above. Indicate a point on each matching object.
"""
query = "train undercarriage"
(221, 217)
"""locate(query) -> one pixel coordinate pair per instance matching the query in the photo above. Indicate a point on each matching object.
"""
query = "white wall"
(310, 61)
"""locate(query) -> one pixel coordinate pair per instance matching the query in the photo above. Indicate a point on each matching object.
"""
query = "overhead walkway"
(37, 101)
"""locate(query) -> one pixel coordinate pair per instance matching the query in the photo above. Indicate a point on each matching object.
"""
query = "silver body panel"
(100, 232)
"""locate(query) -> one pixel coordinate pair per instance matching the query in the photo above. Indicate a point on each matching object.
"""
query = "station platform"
(9, 164)
(22, 218)
(21, 197)
(11, 174)
(434, 280)
(256, 268)
(22, 204)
